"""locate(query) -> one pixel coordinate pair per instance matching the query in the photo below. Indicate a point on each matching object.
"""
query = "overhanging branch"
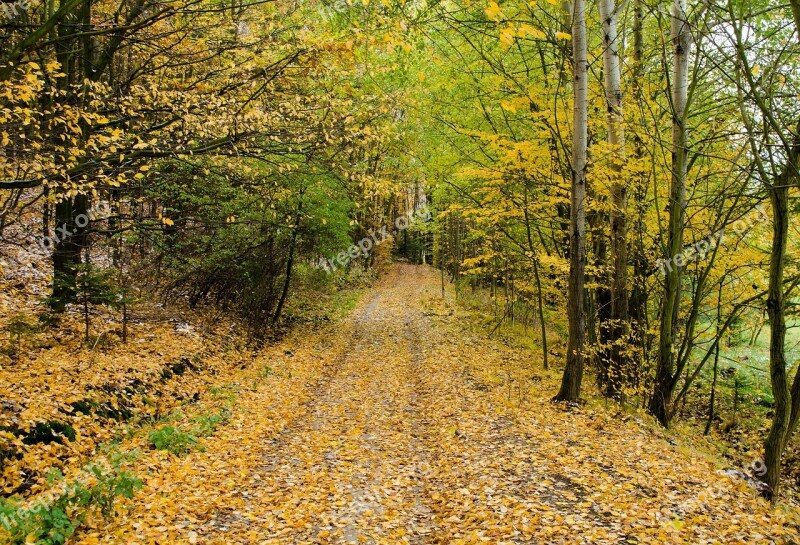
(20, 184)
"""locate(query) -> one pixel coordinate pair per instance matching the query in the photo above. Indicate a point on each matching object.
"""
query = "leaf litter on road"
(397, 426)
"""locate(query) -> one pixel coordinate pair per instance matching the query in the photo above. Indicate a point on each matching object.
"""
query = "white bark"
(611, 71)
(618, 328)
(573, 373)
(666, 379)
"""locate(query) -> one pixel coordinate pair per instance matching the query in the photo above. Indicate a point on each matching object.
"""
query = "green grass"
(344, 301)
(747, 366)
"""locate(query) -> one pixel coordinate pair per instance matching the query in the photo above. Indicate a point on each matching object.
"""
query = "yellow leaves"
(508, 106)
(677, 524)
(563, 36)
(167, 221)
(494, 12)
(526, 31)
(444, 439)
(507, 36)
(514, 105)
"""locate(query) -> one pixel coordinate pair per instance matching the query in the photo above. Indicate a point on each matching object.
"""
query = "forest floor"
(402, 423)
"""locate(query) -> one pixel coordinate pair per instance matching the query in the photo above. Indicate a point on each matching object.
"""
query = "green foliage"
(113, 484)
(174, 440)
(236, 253)
(20, 326)
(226, 391)
(179, 442)
(206, 424)
(49, 525)
(53, 521)
(90, 284)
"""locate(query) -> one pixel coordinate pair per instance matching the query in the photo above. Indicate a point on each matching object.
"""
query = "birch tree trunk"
(666, 379)
(617, 329)
(637, 304)
(573, 372)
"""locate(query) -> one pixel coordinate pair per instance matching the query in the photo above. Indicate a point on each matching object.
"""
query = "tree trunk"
(573, 372)
(68, 242)
(796, 12)
(785, 409)
(773, 446)
(540, 309)
(289, 265)
(637, 307)
(666, 379)
(713, 397)
(618, 328)
(70, 212)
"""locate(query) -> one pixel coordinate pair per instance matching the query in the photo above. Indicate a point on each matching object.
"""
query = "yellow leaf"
(507, 36)
(563, 36)
(494, 11)
(508, 106)
(528, 30)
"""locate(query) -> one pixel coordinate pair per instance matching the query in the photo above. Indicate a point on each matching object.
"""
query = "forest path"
(404, 425)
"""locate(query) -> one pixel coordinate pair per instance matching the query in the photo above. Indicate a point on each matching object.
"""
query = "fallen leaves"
(398, 426)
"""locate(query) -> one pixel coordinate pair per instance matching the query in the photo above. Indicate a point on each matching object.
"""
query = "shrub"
(53, 522)
(207, 423)
(172, 439)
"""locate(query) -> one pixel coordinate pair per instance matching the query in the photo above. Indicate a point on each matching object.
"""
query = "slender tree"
(617, 330)
(779, 173)
(573, 372)
(637, 306)
(666, 377)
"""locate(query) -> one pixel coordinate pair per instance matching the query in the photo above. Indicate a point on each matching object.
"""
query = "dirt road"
(405, 424)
